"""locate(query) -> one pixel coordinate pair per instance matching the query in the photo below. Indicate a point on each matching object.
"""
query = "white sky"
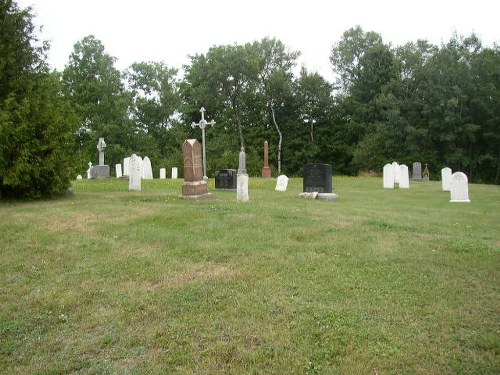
(169, 31)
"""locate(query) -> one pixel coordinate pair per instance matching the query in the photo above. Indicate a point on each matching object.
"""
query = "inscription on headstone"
(226, 179)
(318, 178)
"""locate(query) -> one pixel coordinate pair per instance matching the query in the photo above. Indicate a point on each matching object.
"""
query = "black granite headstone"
(226, 179)
(318, 178)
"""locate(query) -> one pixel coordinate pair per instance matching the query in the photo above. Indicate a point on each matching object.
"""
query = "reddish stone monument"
(266, 171)
(194, 184)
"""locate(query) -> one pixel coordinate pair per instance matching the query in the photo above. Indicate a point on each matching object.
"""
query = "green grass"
(109, 281)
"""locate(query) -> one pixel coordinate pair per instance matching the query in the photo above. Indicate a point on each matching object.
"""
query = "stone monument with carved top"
(101, 170)
(194, 184)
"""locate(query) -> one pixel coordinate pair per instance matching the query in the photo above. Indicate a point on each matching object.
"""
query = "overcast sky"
(169, 31)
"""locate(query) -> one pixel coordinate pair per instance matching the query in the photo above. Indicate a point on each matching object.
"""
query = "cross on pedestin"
(202, 125)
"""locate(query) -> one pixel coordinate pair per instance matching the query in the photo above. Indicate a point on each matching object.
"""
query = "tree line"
(418, 102)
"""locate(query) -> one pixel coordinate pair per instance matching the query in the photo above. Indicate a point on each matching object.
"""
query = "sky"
(170, 31)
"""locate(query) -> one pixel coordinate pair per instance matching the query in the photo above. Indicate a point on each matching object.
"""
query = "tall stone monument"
(194, 184)
(101, 170)
(202, 125)
(266, 171)
(242, 178)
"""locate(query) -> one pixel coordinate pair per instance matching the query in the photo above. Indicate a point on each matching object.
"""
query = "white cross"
(203, 124)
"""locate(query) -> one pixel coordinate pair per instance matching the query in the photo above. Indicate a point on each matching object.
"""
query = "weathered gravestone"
(266, 171)
(194, 184)
(459, 188)
(397, 171)
(281, 183)
(404, 177)
(118, 170)
(242, 178)
(101, 170)
(163, 173)
(417, 171)
(226, 179)
(126, 167)
(318, 179)
(388, 176)
(147, 170)
(174, 173)
(446, 179)
(135, 176)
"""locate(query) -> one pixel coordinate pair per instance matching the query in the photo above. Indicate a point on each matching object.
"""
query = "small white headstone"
(281, 183)
(147, 170)
(79, 177)
(446, 179)
(118, 168)
(126, 166)
(397, 172)
(89, 171)
(404, 177)
(174, 173)
(135, 177)
(459, 188)
(242, 188)
(163, 173)
(388, 176)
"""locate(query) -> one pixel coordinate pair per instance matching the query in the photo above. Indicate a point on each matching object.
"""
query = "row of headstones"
(227, 179)
(456, 183)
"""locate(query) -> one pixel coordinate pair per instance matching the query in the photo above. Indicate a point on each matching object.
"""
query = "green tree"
(36, 122)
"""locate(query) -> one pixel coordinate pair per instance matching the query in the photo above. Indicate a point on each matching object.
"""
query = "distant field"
(109, 281)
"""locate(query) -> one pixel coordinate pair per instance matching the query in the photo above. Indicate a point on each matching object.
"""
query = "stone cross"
(101, 146)
(202, 125)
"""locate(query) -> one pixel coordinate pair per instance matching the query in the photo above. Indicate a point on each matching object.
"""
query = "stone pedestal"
(100, 171)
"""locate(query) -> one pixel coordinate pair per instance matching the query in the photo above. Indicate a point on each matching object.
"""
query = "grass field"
(108, 281)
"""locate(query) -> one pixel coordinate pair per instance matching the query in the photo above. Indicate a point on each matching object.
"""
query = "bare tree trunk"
(280, 138)
(240, 131)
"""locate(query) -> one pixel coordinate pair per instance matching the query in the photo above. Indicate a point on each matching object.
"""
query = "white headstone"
(242, 188)
(126, 166)
(459, 188)
(281, 183)
(397, 172)
(147, 171)
(163, 173)
(388, 176)
(135, 177)
(174, 173)
(79, 177)
(404, 177)
(446, 179)
(89, 171)
(118, 168)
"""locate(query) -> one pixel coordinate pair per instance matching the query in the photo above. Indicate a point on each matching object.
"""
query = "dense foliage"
(36, 122)
(439, 105)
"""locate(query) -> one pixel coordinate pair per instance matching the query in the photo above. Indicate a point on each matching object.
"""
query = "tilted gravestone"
(194, 184)
(226, 179)
(459, 188)
(281, 183)
(388, 176)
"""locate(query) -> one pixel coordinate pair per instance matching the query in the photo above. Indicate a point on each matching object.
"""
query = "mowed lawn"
(108, 281)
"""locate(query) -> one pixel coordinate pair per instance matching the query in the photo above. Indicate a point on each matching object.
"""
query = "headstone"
(446, 179)
(118, 169)
(388, 176)
(266, 171)
(79, 177)
(226, 179)
(242, 188)
(417, 171)
(318, 178)
(147, 170)
(174, 173)
(397, 172)
(281, 183)
(89, 171)
(126, 167)
(459, 188)
(194, 184)
(135, 177)
(404, 177)
(425, 176)
(163, 173)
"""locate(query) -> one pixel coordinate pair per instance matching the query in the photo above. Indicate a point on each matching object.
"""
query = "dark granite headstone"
(417, 171)
(317, 178)
(226, 179)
